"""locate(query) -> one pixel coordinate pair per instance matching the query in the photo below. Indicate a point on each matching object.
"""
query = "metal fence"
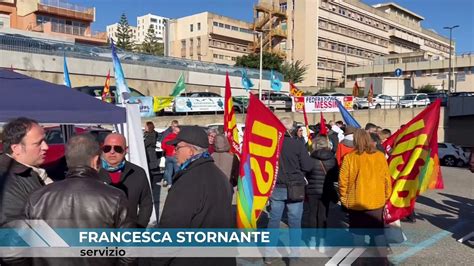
(43, 46)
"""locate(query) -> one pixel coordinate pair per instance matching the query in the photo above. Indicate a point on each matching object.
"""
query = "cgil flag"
(323, 129)
(67, 81)
(122, 90)
(179, 87)
(106, 96)
(275, 82)
(346, 116)
(261, 147)
(230, 126)
(294, 91)
(246, 82)
(413, 162)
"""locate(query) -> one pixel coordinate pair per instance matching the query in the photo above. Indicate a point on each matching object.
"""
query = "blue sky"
(437, 13)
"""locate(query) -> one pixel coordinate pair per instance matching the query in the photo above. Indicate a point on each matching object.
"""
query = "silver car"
(379, 101)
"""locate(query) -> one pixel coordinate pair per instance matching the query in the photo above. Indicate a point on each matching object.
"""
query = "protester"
(338, 130)
(80, 201)
(299, 135)
(211, 136)
(150, 137)
(171, 167)
(385, 134)
(24, 149)
(320, 190)
(201, 196)
(169, 130)
(346, 145)
(226, 161)
(341, 125)
(364, 187)
(376, 142)
(371, 128)
(294, 163)
(130, 178)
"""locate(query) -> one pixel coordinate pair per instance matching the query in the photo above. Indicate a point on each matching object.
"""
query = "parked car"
(452, 155)
(277, 101)
(438, 95)
(414, 100)
(240, 104)
(462, 94)
(379, 101)
(96, 91)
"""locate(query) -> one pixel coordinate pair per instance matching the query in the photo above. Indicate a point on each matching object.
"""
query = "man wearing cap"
(200, 196)
(346, 145)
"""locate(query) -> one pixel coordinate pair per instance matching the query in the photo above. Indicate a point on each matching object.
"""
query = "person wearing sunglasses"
(200, 196)
(131, 178)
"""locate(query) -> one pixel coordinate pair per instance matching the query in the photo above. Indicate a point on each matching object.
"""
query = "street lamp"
(450, 52)
(261, 67)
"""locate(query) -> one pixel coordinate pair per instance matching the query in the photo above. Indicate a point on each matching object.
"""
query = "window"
(235, 28)
(227, 26)
(221, 25)
(221, 56)
(191, 27)
(215, 56)
(215, 24)
(153, 20)
(199, 26)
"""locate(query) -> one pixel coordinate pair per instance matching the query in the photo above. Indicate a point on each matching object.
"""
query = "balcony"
(64, 9)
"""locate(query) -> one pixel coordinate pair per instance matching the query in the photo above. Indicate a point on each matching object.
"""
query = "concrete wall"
(386, 118)
(154, 81)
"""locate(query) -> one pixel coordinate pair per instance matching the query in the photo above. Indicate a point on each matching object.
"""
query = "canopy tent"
(51, 103)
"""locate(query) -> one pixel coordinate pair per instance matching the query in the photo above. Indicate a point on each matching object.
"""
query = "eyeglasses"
(108, 148)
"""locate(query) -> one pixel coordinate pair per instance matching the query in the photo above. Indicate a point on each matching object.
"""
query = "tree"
(427, 89)
(294, 72)
(151, 44)
(124, 34)
(269, 61)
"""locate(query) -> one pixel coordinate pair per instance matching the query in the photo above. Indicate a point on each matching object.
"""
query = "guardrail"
(50, 47)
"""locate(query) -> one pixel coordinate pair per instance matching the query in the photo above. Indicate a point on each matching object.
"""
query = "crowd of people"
(101, 189)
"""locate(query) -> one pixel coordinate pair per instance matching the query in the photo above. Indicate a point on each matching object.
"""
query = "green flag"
(179, 87)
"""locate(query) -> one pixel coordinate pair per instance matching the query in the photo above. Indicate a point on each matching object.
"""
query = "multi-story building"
(145, 22)
(53, 18)
(113, 29)
(331, 35)
(210, 37)
(140, 31)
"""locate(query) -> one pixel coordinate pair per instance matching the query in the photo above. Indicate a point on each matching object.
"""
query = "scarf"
(192, 159)
(112, 169)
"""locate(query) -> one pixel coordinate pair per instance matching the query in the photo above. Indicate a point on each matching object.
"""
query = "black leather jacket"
(79, 201)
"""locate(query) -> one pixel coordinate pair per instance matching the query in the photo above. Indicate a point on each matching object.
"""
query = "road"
(443, 217)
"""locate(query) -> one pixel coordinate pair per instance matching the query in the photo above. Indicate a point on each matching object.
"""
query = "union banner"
(413, 162)
(261, 147)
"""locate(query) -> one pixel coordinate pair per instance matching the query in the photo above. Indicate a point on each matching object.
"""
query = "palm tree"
(294, 72)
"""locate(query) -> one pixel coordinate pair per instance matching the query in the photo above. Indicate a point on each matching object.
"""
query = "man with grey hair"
(200, 196)
(81, 200)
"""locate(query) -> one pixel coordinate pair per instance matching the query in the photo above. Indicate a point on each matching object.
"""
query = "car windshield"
(408, 97)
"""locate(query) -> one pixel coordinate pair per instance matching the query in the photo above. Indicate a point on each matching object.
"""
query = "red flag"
(263, 139)
(413, 162)
(355, 90)
(230, 126)
(106, 91)
(370, 96)
(323, 130)
(294, 91)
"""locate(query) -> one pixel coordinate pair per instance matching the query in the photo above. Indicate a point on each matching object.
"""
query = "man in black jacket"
(80, 201)
(127, 176)
(24, 151)
(200, 196)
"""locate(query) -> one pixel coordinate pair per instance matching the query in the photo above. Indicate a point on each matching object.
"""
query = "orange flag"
(230, 126)
(106, 91)
(413, 162)
(370, 96)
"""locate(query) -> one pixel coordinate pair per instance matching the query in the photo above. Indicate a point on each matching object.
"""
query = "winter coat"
(199, 198)
(17, 182)
(321, 181)
(344, 148)
(80, 201)
(134, 182)
(168, 149)
(294, 162)
(150, 139)
(227, 162)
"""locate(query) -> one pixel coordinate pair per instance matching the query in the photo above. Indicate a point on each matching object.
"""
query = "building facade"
(210, 37)
(140, 31)
(54, 18)
(347, 33)
(113, 29)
